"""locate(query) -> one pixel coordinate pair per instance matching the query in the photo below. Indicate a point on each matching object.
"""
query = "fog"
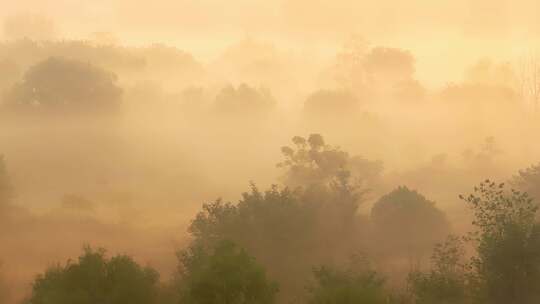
(120, 119)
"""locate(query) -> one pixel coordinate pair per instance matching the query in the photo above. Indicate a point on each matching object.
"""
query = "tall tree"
(311, 161)
(507, 241)
(351, 286)
(448, 280)
(528, 180)
(304, 228)
(223, 274)
(59, 84)
(407, 224)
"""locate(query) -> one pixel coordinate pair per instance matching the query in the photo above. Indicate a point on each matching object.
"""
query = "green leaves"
(507, 261)
(223, 273)
(94, 278)
(334, 286)
(448, 280)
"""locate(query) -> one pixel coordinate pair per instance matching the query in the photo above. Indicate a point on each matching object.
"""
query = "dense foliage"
(349, 286)
(94, 278)
(283, 245)
(447, 281)
(279, 226)
(311, 161)
(407, 223)
(92, 89)
(507, 242)
(225, 274)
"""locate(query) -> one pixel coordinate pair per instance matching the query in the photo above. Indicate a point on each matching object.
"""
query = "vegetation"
(94, 278)
(447, 282)
(241, 253)
(92, 89)
(528, 180)
(407, 223)
(278, 226)
(312, 162)
(507, 242)
(224, 274)
(333, 286)
(117, 145)
(244, 100)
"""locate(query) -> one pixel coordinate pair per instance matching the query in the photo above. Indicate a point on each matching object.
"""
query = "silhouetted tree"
(448, 280)
(528, 180)
(64, 85)
(94, 278)
(407, 224)
(223, 273)
(369, 72)
(507, 241)
(244, 100)
(304, 228)
(335, 286)
(311, 161)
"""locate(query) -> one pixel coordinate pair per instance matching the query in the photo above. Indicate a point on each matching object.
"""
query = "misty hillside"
(264, 152)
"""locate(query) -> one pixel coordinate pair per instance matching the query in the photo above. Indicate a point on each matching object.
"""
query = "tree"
(405, 222)
(370, 72)
(6, 190)
(305, 221)
(447, 281)
(335, 286)
(225, 274)
(65, 85)
(348, 70)
(244, 100)
(507, 241)
(96, 279)
(528, 180)
(304, 228)
(311, 161)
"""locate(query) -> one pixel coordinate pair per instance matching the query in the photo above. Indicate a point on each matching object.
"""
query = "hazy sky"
(437, 32)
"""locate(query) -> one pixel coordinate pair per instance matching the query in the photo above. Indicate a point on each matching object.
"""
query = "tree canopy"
(244, 99)
(91, 89)
(223, 273)
(94, 278)
(507, 242)
(336, 286)
(407, 223)
(311, 161)
(528, 180)
(447, 282)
